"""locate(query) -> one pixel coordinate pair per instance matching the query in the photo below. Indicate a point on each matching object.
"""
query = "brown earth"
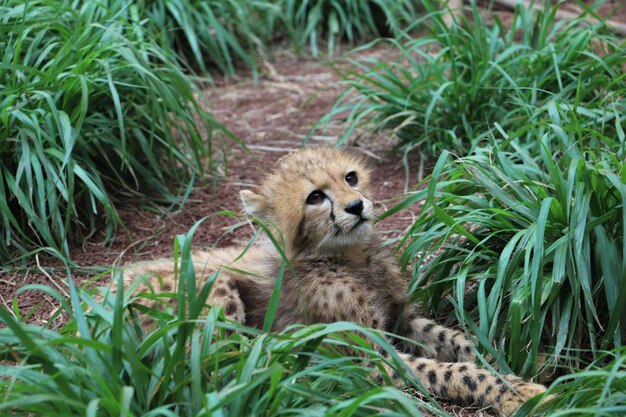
(613, 10)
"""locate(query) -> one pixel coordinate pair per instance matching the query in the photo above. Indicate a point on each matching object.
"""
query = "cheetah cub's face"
(318, 198)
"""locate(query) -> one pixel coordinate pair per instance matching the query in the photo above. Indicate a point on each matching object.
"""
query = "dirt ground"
(271, 116)
(614, 10)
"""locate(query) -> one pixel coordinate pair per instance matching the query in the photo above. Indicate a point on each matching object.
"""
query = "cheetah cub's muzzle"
(344, 216)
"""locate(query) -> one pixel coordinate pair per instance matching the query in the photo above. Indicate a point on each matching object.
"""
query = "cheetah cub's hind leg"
(158, 278)
(434, 341)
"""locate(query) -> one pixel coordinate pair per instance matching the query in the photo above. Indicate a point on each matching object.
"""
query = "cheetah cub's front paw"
(525, 391)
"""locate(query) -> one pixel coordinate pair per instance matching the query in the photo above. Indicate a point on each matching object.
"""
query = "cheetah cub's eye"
(315, 198)
(352, 179)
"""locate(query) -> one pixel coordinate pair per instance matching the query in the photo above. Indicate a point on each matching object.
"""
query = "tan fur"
(342, 272)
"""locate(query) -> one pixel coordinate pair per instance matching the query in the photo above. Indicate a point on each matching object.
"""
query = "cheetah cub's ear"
(253, 204)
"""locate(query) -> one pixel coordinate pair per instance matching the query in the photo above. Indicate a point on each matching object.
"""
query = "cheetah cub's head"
(319, 200)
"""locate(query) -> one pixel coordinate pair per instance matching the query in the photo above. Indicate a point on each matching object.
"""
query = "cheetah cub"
(320, 202)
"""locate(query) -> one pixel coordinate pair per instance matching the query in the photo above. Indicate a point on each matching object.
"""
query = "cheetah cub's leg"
(466, 383)
(159, 278)
(225, 294)
(434, 341)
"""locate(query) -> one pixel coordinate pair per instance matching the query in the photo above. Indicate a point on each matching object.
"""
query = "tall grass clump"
(313, 21)
(598, 390)
(222, 34)
(192, 363)
(92, 111)
(446, 89)
(526, 246)
(216, 34)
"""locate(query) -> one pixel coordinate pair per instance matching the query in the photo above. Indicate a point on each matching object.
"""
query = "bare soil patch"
(612, 10)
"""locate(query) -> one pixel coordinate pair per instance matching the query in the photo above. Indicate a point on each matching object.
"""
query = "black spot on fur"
(421, 366)
(469, 399)
(428, 327)
(443, 392)
(447, 375)
(468, 349)
(463, 368)
(503, 389)
(230, 308)
(339, 296)
(300, 236)
(417, 352)
(432, 377)
(488, 389)
(220, 291)
(442, 336)
(481, 377)
(469, 382)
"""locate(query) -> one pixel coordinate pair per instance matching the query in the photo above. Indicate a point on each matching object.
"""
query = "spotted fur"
(319, 201)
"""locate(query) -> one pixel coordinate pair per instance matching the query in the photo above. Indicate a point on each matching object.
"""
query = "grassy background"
(520, 240)
(98, 97)
(215, 34)
(451, 86)
(89, 104)
(240, 30)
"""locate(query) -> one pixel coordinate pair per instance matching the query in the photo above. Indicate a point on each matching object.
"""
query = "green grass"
(333, 21)
(527, 246)
(192, 364)
(93, 112)
(220, 34)
(226, 35)
(599, 390)
(448, 88)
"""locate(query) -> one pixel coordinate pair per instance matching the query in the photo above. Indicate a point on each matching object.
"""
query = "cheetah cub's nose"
(355, 207)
